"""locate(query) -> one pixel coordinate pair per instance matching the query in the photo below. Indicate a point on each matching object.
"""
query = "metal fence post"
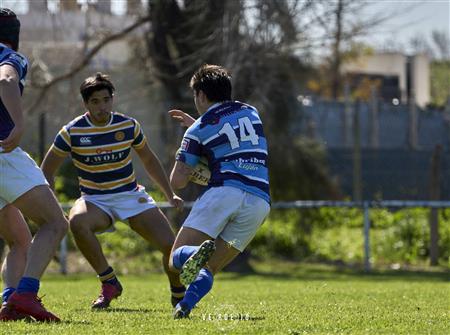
(366, 236)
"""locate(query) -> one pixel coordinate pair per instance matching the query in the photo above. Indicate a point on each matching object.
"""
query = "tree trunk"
(336, 65)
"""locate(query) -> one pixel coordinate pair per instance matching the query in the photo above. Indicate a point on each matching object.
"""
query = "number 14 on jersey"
(246, 132)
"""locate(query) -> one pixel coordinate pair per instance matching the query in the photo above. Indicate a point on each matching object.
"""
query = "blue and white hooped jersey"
(20, 63)
(230, 135)
(101, 154)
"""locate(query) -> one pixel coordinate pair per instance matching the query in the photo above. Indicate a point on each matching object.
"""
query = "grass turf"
(281, 298)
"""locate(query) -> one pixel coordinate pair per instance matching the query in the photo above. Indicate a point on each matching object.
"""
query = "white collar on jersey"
(86, 117)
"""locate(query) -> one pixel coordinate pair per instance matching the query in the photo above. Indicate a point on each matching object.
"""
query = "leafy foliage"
(440, 84)
(329, 234)
(267, 73)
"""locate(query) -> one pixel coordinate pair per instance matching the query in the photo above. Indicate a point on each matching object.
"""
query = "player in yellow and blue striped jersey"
(100, 143)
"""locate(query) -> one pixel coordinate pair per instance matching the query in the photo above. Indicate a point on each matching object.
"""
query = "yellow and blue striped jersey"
(101, 154)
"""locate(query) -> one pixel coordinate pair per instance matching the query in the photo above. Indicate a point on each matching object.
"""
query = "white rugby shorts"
(123, 205)
(230, 213)
(18, 174)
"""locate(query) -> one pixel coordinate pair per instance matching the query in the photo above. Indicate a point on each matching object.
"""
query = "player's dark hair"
(96, 83)
(9, 28)
(214, 81)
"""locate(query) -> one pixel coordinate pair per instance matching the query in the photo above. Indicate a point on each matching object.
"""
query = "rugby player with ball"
(225, 218)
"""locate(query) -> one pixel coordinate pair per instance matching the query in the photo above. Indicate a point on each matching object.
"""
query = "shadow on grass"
(234, 318)
(311, 272)
(126, 310)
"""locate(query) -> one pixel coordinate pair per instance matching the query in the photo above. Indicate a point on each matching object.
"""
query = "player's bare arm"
(156, 172)
(10, 96)
(185, 119)
(180, 175)
(50, 165)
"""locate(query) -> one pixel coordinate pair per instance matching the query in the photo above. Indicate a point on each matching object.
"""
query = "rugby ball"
(200, 173)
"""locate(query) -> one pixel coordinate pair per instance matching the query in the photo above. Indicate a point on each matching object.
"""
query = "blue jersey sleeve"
(17, 61)
(190, 150)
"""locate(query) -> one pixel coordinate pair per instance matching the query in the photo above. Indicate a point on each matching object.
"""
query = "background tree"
(266, 45)
(341, 25)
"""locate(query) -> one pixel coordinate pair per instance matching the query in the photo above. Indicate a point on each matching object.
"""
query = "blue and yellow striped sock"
(108, 276)
(177, 291)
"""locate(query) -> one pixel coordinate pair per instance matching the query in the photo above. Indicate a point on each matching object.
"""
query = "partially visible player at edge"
(23, 189)
(230, 135)
(100, 143)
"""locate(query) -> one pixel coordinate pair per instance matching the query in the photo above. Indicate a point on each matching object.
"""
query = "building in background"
(401, 78)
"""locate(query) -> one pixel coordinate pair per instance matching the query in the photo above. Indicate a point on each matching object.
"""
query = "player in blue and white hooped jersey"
(236, 202)
(23, 190)
(100, 143)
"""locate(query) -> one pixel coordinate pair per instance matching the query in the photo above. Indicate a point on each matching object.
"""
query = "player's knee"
(53, 218)
(77, 225)
(60, 226)
(55, 222)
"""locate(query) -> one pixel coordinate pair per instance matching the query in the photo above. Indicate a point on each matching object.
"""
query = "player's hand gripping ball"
(200, 173)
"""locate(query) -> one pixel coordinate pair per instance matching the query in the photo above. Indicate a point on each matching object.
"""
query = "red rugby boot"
(8, 313)
(28, 303)
(108, 293)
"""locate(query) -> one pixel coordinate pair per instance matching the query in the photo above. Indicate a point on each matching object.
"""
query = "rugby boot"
(108, 293)
(181, 311)
(8, 313)
(28, 303)
(196, 262)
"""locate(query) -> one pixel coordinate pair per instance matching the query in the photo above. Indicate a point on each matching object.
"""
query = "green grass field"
(279, 298)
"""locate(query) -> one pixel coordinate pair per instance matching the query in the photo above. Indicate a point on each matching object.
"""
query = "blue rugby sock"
(28, 284)
(198, 288)
(7, 291)
(182, 254)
